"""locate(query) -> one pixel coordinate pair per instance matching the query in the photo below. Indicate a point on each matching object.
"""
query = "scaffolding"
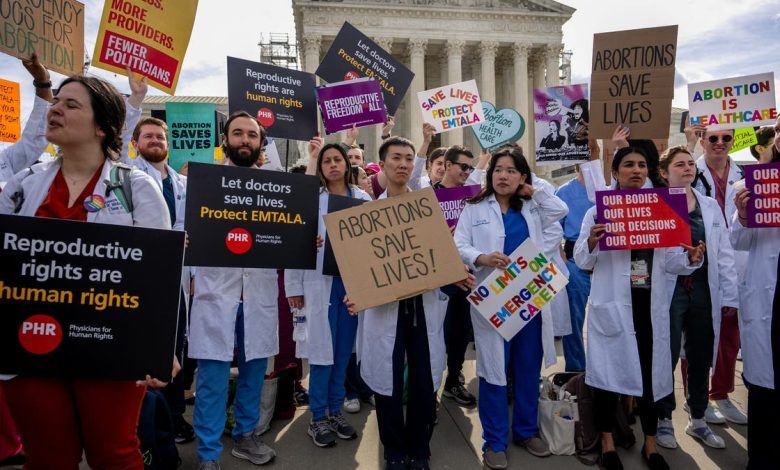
(279, 49)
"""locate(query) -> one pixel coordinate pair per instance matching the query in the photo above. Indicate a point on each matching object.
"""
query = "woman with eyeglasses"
(508, 211)
(697, 302)
(329, 329)
(628, 347)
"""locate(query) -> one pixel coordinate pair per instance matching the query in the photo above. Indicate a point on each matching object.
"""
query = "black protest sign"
(632, 82)
(88, 300)
(353, 55)
(335, 203)
(283, 100)
(250, 218)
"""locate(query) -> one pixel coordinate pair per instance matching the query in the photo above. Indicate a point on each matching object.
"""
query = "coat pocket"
(605, 318)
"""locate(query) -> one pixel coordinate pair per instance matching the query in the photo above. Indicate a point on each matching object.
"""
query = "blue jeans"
(326, 383)
(523, 354)
(578, 290)
(211, 391)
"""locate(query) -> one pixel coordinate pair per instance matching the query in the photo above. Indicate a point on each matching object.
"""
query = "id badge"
(640, 277)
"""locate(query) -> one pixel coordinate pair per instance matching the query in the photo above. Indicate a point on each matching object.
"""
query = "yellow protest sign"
(53, 30)
(10, 127)
(148, 36)
(743, 138)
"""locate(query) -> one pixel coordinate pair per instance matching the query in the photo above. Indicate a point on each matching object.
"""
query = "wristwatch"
(46, 84)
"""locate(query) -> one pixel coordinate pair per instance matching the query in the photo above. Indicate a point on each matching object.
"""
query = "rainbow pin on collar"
(94, 203)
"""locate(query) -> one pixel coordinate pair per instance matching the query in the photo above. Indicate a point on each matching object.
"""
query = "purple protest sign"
(643, 218)
(763, 182)
(353, 102)
(453, 200)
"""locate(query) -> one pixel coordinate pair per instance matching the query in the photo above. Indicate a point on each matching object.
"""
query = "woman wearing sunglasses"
(493, 224)
(628, 320)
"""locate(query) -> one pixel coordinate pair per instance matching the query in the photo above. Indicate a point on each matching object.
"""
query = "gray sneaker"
(209, 465)
(341, 427)
(251, 447)
(494, 460)
(535, 446)
(322, 434)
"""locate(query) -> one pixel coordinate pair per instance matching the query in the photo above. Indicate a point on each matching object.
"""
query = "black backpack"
(157, 434)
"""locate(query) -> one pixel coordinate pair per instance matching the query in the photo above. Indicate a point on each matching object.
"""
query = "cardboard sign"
(10, 112)
(453, 200)
(88, 300)
(510, 298)
(53, 30)
(335, 203)
(452, 106)
(763, 182)
(355, 102)
(191, 130)
(501, 126)
(283, 100)
(353, 55)
(734, 102)
(149, 36)
(561, 123)
(632, 82)
(250, 218)
(393, 248)
(743, 138)
(643, 218)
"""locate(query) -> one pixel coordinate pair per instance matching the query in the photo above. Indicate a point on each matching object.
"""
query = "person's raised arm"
(315, 144)
(138, 90)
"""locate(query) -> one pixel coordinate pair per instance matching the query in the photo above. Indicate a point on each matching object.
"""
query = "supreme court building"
(509, 47)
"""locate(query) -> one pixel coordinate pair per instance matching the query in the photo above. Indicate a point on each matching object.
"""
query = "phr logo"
(40, 334)
(238, 241)
(266, 117)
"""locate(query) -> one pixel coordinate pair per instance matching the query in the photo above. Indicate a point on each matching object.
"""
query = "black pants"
(764, 412)
(691, 315)
(457, 327)
(605, 402)
(174, 391)
(412, 437)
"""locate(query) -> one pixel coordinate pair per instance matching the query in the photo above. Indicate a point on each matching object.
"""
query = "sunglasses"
(725, 138)
(464, 166)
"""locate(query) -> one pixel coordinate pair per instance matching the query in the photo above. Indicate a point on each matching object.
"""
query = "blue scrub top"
(516, 230)
(575, 196)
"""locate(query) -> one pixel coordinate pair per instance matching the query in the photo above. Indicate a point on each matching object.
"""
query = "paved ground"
(457, 441)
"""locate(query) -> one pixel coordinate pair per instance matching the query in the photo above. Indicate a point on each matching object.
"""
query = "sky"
(717, 39)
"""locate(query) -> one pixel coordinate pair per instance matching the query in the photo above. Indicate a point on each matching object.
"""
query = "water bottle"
(299, 325)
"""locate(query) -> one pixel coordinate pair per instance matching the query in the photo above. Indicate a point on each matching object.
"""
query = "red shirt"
(720, 188)
(55, 206)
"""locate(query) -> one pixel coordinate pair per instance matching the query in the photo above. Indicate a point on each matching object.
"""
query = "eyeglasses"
(465, 166)
(725, 138)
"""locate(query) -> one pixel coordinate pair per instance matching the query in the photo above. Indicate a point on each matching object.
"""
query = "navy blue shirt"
(170, 199)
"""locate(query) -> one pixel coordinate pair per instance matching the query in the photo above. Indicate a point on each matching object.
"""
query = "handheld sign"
(335, 203)
(743, 138)
(632, 82)
(393, 248)
(250, 218)
(510, 298)
(452, 106)
(561, 122)
(149, 36)
(501, 126)
(191, 130)
(354, 102)
(643, 218)
(353, 55)
(734, 102)
(53, 30)
(453, 200)
(10, 110)
(763, 182)
(88, 300)
(283, 100)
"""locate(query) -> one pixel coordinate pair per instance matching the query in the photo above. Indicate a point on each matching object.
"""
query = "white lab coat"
(376, 333)
(480, 230)
(613, 357)
(29, 147)
(721, 275)
(757, 293)
(315, 289)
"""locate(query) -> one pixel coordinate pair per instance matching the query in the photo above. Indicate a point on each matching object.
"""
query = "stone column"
(416, 49)
(487, 54)
(311, 52)
(520, 57)
(553, 71)
(537, 66)
(374, 141)
(454, 51)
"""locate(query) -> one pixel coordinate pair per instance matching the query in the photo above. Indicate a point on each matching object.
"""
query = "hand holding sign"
(695, 253)
(138, 88)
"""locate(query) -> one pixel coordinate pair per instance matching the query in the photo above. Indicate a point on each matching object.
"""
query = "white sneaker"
(731, 412)
(706, 436)
(711, 414)
(664, 437)
(352, 405)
